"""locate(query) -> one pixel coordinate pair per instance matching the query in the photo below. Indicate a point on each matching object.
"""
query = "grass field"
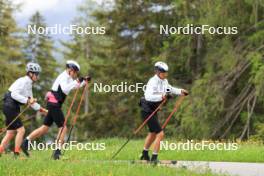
(91, 163)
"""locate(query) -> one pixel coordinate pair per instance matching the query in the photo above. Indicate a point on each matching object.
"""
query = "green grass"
(92, 162)
(246, 152)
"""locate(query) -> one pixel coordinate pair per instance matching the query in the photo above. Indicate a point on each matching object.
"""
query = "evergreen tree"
(11, 61)
(119, 56)
(222, 72)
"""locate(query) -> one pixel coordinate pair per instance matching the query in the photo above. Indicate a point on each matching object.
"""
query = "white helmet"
(161, 66)
(33, 67)
(73, 65)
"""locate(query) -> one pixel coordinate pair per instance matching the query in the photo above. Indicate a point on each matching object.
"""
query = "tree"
(222, 72)
(11, 60)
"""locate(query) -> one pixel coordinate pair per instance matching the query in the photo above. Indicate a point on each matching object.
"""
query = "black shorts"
(55, 114)
(153, 122)
(146, 111)
(11, 110)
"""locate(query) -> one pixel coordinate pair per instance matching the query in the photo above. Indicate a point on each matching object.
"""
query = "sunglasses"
(36, 73)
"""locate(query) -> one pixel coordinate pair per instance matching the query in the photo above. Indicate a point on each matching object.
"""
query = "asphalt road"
(229, 168)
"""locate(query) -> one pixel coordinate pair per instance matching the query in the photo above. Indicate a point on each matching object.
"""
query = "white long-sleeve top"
(65, 81)
(156, 88)
(21, 89)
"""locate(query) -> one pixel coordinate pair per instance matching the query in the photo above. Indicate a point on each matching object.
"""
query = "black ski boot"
(154, 159)
(25, 147)
(145, 155)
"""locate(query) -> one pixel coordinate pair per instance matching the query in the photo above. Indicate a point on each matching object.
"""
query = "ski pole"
(77, 113)
(68, 114)
(176, 106)
(139, 128)
(5, 129)
(67, 117)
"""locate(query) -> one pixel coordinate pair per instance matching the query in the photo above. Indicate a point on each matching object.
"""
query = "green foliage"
(11, 60)
(224, 73)
(205, 110)
(218, 69)
(259, 128)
